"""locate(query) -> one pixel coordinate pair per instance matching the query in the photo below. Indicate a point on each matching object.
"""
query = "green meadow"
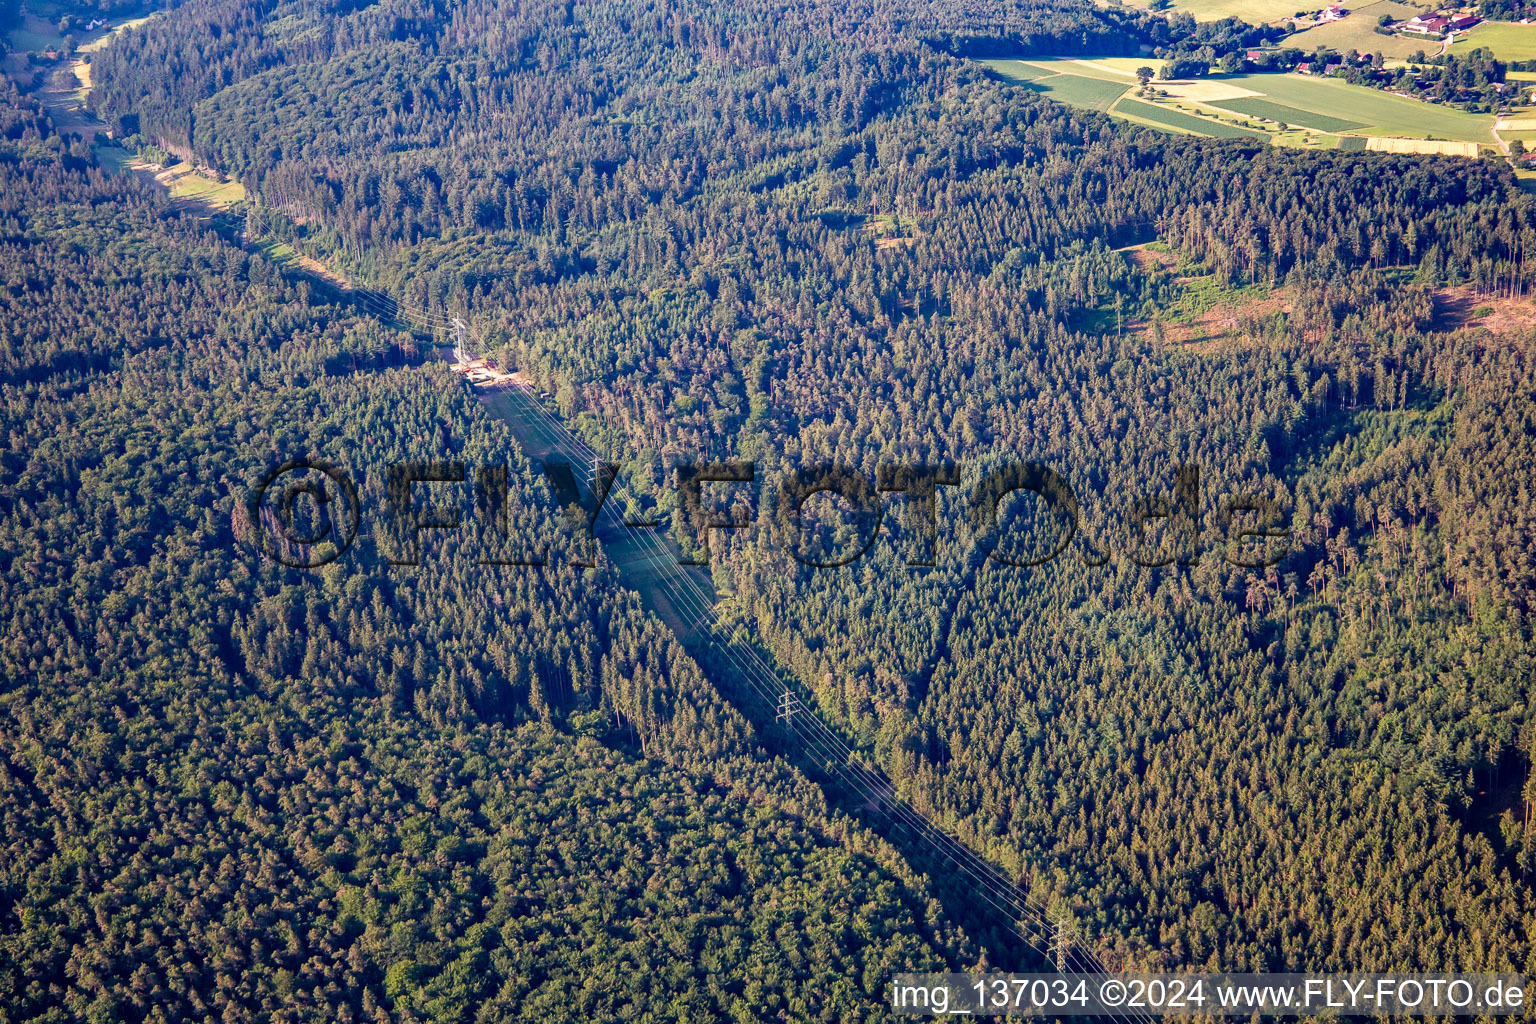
(1507, 40)
(1185, 122)
(1080, 92)
(1258, 106)
(35, 33)
(1380, 112)
(1357, 31)
(1067, 81)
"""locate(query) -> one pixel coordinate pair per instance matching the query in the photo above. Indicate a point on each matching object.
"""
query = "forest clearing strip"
(684, 598)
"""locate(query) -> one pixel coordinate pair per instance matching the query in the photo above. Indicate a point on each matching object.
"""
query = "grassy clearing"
(1260, 107)
(185, 183)
(1194, 310)
(115, 159)
(1357, 31)
(35, 34)
(101, 41)
(1198, 296)
(1188, 122)
(285, 255)
(280, 253)
(1507, 40)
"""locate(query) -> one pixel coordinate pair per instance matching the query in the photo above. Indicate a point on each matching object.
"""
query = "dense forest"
(449, 792)
(792, 234)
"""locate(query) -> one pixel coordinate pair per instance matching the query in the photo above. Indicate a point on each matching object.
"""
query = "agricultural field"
(1185, 122)
(1017, 71)
(1258, 106)
(1252, 11)
(1093, 93)
(1095, 84)
(1422, 147)
(1121, 70)
(1507, 40)
(1383, 113)
(1357, 31)
(1321, 104)
(1317, 113)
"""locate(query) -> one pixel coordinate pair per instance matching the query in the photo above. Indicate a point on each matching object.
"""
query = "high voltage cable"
(829, 747)
(1022, 912)
(1023, 906)
(824, 746)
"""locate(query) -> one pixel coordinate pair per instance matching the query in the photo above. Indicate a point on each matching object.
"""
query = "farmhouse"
(1464, 22)
(1434, 25)
(1333, 12)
